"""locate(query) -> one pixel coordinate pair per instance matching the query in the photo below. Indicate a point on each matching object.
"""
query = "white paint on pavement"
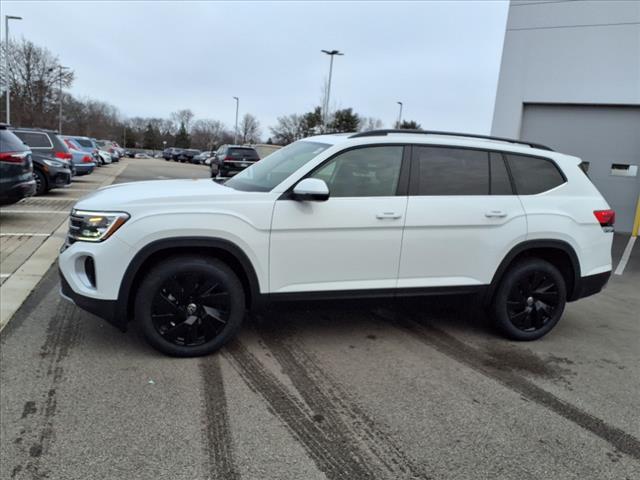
(625, 256)
(45, 212)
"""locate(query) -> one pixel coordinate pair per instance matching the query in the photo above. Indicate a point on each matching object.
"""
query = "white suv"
(381, 213)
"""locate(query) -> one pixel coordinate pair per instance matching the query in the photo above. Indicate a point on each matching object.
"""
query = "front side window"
(533, 175)
(363, 172)
(266, 174)
(452, 171)
(35, 139)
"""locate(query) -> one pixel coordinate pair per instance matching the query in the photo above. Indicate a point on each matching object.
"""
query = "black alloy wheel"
(190, 306)
(530, 299)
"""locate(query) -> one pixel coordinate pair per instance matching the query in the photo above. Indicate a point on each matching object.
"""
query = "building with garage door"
(570, 79)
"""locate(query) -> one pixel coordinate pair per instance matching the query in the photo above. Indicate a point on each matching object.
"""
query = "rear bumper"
(105, 309)
(84, 169)
(18, 191)
(590, 285)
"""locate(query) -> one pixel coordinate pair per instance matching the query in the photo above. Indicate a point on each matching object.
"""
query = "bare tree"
(182, 117)
(207, 134)
(249, 129)
(34, 75)
(287, 130)
(370, 123)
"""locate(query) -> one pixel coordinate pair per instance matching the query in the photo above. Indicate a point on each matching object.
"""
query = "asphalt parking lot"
(402, 390)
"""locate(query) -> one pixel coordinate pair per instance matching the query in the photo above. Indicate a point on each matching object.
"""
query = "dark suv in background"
(52, 165)
(172, 153)
(16, 169)
(231, 159)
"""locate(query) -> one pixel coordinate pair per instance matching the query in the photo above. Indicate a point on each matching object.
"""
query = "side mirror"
(311, 189)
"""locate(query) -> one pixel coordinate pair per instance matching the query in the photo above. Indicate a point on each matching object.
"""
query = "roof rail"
(376, 133)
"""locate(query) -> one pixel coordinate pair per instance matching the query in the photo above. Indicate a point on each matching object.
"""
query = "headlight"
(88, 226)
(53, 163)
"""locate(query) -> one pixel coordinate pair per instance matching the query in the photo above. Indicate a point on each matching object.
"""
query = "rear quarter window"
(35, 139)
(533, 175)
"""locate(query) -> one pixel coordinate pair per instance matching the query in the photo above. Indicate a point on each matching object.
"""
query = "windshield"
(264, 175)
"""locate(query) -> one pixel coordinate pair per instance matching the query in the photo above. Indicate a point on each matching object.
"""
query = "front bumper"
(105, 309)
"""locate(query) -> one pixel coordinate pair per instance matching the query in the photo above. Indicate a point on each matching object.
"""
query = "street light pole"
(6, 63)
(235, 135)
(399, 114)
(331, 53)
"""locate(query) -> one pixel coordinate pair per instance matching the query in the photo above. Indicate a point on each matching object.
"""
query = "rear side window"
(533, 175)
(35, 139)
(10, 143)
(452, 171)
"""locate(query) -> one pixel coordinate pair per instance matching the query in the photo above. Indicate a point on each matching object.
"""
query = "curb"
(15, 290)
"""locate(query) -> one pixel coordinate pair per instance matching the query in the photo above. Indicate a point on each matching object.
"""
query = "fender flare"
(230, 248)
(530, 245)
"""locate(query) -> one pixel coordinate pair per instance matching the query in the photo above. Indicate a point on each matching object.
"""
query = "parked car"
(82, 161)
(87, 145)
(187, 155)
(201, 158)
(232, 159)
(142, 155)
(171, 153)
(110, 148)
(16, 168)
(517, 224)
(46, 143)
(50, 173)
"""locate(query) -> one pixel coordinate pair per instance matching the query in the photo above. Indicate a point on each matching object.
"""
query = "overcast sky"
(150, 58)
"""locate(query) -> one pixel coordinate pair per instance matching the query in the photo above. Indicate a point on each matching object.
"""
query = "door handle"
(388, 215)
(495, 214)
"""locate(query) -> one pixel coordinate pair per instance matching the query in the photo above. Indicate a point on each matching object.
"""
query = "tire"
(42, 186)
(530, 300)
(170, 306)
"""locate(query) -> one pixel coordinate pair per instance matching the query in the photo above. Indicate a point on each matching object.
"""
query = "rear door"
(351, 241)
(462, 218)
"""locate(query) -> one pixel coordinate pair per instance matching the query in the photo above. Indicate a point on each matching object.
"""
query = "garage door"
(608, 137)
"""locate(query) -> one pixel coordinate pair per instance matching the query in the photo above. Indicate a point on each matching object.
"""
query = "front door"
(351, 241)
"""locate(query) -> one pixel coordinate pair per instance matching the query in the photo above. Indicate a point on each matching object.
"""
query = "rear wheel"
(189, 306)
(42, 185)
(530, 300)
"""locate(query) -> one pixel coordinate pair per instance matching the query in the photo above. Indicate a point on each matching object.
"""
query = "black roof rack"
(376, 133)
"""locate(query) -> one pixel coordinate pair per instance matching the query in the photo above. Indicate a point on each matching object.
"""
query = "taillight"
(12, 157)
(229, 159)
(606, 218)
(87, 159)
(63, 155)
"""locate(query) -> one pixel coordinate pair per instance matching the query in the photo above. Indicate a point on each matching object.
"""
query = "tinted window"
(363, 172)
(533, 175)
(35, 139)
(243, 153)
(452, 171)
(10, 143)
(83, 142)
(500, 183)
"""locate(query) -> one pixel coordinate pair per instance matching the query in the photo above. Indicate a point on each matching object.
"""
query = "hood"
(155, 193)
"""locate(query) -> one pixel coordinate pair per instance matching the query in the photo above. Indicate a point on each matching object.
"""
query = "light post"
(6, 63)
(331, 53)
(399, 115)
(61, 68)
(235, 135)
(164, 145)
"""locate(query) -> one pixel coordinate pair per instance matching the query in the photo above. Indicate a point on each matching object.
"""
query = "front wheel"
(190, 306)
(530, 300)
